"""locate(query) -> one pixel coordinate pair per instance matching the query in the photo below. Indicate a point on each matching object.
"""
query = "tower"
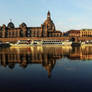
(48, 26)
(48, 14)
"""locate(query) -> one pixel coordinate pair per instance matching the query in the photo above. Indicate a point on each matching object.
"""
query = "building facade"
(86, 33)
(79, 33)
(47, 29)
(73, 33)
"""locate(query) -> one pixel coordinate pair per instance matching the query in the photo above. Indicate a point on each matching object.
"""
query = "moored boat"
(27, 43)
(88, 43)
(4, 45)
(21, 43)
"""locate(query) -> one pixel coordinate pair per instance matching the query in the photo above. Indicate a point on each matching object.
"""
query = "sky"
(66, 14)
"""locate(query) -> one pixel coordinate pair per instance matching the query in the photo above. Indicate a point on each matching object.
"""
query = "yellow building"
(86, 33)
(79, 33)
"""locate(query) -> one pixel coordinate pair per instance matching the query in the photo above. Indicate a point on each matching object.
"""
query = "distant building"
(79, 33)
(72, 33)
(47, 29)
(86, 33)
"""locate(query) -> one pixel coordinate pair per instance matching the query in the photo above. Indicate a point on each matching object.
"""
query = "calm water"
(46, 69)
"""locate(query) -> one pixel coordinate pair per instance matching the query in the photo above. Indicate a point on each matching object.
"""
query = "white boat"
(27, 43)
(22, 43)
(56, 42)
(83, 44)
(66, 43)
(51, 42)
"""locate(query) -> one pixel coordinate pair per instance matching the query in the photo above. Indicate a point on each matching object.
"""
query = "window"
(21, 33)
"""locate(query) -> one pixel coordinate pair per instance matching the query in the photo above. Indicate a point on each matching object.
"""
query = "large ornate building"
(47, 29)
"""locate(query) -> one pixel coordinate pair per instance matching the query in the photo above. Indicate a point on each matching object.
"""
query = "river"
(46, 69)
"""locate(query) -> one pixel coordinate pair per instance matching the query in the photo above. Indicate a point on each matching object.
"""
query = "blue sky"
(66, 14)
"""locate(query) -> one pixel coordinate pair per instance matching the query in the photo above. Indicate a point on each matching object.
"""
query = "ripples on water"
(46, 69)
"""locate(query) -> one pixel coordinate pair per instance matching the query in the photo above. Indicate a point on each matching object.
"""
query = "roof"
(73, 31)
(10, 25)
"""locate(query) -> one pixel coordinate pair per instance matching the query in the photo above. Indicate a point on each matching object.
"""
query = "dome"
(49, 23)
(4, 26)
(23, 25)
(11, 25)
(48, 20)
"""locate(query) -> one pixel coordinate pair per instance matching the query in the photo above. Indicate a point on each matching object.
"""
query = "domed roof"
(48, 20)
(23, 25)
(4, 26)
(11, 25)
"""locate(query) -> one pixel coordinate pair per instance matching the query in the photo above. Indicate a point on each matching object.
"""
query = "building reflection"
(81, 53)
(46, 56)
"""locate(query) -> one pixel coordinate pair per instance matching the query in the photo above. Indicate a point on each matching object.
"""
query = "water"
(46, 69)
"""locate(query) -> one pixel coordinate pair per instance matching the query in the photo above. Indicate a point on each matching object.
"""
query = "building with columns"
(86, 33)
(47, 29)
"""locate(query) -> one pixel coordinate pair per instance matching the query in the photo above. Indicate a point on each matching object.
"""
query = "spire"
(10, 20)
(48, 14)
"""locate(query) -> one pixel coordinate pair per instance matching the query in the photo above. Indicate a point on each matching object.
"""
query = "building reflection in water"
(46, 56)
(81, 53)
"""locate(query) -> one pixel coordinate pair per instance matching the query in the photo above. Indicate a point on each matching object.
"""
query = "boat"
(76, 44)
(87, 43)
(27, 43)
(56, 42)
(21, 43)
(4, 45)
(51, 42)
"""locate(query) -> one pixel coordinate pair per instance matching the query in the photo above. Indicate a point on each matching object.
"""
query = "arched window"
(0, 34)
(28, 33)
(21, 33)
